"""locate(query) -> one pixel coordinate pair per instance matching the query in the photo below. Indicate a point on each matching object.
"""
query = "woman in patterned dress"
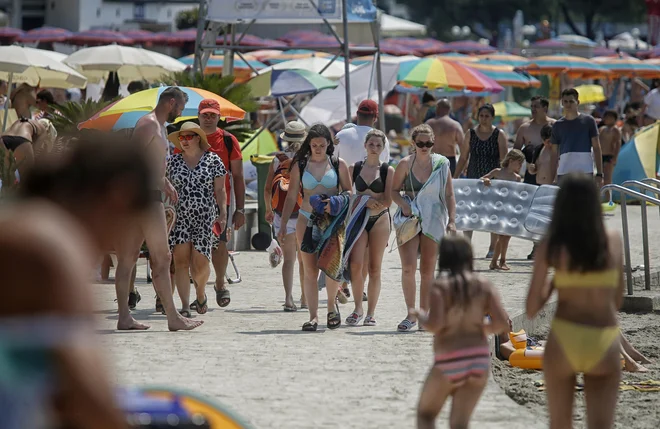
(488, 147)
(197, 174)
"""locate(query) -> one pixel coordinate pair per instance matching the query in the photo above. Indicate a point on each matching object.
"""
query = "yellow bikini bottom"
(584, 346)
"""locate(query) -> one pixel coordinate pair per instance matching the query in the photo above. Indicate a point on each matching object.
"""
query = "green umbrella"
(282, 83)
(505, 110)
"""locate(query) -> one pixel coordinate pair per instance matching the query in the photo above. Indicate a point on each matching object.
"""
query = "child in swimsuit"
(510, 171)
(460, 300)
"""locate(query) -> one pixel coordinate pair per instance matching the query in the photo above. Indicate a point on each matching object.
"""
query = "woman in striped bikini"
(460, 300)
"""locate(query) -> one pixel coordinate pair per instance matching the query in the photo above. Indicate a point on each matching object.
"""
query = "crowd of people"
(328, 199)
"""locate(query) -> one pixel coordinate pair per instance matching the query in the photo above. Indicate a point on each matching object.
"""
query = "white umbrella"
(19, 64)
(334, 71)
(129, 63)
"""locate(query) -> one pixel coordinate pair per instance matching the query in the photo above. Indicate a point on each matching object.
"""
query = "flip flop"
(369, 321)
(353, 319)
(406, 325)
(200, 308)
(334, 320)
(185, 313)
(290, 309)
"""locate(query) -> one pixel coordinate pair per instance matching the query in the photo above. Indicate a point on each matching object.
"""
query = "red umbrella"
(388, 46)
(182, 36)
(143, 36)
(10, 34)
(250, 40)
(46, 35)
(422, 47)
(100, 37)
(468, 46)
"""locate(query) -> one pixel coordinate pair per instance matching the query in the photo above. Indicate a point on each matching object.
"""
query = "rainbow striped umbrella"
(505, 74)
(426, 46)
(433, 73)
(217, 62)
(46, 35)
(455, 56)
(628, 67)
(507, 58)
(126, 112)
(575, 67)
(640, 157)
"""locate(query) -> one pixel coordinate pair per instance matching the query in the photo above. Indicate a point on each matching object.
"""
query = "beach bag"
(410, 227)
(280, 186)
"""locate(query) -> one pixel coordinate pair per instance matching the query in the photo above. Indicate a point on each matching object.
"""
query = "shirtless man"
(149, 131)
(448, 133)
(610, 142)
(28, 139)
(529, 133)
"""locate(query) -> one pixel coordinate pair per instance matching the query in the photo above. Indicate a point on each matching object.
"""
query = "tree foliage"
(187, 19)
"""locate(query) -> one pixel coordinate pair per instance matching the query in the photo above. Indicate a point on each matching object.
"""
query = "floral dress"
(196, 210)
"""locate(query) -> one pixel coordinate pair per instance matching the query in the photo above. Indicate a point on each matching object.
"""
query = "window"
(138, 11)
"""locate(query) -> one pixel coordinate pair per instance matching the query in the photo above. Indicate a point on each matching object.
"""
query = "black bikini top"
(377, 185)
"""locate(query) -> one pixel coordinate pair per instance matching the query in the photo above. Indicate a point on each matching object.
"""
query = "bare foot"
(645, 360)
(632, 366)
(504, 266)
(131, 324)
(183, 324)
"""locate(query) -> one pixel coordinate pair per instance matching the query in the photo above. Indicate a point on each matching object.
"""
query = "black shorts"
(607, 158)
(452, 164)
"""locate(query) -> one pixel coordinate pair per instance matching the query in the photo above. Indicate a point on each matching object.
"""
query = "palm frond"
(68, 115)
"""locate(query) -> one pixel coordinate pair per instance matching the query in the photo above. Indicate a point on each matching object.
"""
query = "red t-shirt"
(218, 146)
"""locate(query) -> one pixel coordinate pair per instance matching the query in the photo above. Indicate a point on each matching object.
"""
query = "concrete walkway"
(254, 358)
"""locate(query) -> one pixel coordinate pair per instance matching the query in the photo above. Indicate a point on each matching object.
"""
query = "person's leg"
(220, 260)
(155, 230)
(491, 246)
(105, 267)
(408, 255)
(427, 264)
(503, 243)
(201, 271)
(434, 394)
(608, 169)
(332, 287)
(378, 238)
(601, 389)
(311, 273)
(289, 256)
(463, 401)
(301, 274)
(357, 279)
(629, 363)
(182, 254)
(560, 385)
(632, 351)
(127, 250)
(496, 253)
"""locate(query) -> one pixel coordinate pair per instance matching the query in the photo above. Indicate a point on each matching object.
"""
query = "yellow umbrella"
(591, 93)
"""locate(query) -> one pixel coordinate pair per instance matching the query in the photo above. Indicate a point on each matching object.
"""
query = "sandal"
(200, 308)
(334, 320)
(159, 306)
(346, 290)
(369, 321)
(310, 326)
(353, 319)
(222, 297)
(185, 313)
(133, 299)
(290, 308)
(341, 297)
(406, 325)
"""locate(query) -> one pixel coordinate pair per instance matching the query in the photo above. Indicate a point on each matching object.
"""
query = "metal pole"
(9, 83)
(199, 51)
(347, 77)
(228, 64)
(645, 244)
(375, 31)
(626, 243)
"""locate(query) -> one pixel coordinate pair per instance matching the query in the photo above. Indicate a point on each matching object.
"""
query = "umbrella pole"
(9, 83)
(347, 63)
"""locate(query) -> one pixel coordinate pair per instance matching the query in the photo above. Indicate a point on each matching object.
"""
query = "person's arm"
(221, 200)
(387, 195)
(450, 198)
(554, 154)
(598, 152)
(400, 174)
(239, 192)
(268, 192)
(617, 144)
(520, 137)
(499, 319)
(465, 156)
(487, 178)
(539, 289)
(291, 199)
(345, 177)
(434, 320)
(459, 137)
(502, 144)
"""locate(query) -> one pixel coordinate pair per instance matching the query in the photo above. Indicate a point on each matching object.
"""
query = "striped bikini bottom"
(460, 365)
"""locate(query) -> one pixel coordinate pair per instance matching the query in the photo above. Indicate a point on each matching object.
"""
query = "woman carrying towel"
(315, 172)
(423, 190)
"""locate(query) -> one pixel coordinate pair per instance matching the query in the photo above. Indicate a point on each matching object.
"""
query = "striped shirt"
(574, 139)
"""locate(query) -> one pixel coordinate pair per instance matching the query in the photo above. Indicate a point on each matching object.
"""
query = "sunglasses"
(188, 137)
(424, 144)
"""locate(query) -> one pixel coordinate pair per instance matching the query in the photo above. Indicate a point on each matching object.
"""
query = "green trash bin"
(261, 240)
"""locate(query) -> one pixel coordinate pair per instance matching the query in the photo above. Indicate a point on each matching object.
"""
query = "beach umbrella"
(128, 62)
(575, 67)
(264, 55)
(282, 83)
(251, 40)
(639, 158)
(217, 62)
(550, 44)
(99, 37)
(628, 67)
(505, 74)
(507, 58)
(506, 110)
(468, 46)
(143, 36)
(389, 47)
(455, 56)
(323, 66)
(181, 36)
(576, 40)
(425, 46)
(46, 35)
(590, 94)
(126, 112)
(358, 61)
(10, 34)
(434, 73)
(296, 54)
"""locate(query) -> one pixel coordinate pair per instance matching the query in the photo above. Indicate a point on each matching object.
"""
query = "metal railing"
(643, 199)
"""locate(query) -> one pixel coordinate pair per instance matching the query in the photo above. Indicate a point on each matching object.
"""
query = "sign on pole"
(283, 11)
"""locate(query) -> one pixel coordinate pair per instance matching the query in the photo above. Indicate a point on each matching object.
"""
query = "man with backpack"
(275, 191)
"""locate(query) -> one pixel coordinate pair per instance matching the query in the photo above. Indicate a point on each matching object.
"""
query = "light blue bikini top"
(328, 181)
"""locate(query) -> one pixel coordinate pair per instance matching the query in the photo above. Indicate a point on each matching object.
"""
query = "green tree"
(68, 115)
(594, 12)
(187, 19)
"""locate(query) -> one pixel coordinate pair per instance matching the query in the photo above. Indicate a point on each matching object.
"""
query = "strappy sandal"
(222, 297)
(369, 321)
(353, 319)
(159, 306)
(133, 299)
(200, 308)
(185, 313)
(310, 326)
(334, 320)
(290, 308)
(406, 325)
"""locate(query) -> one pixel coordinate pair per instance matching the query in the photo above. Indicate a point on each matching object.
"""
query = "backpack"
(357, 168)
(280, 186)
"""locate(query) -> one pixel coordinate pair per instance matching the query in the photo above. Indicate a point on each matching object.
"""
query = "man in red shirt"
(221, 141)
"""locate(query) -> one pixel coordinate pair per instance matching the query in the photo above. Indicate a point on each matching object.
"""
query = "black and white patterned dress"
(196, 210)
(484, 154)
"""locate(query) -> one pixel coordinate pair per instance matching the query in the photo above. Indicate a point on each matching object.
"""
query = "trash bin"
(261, 240)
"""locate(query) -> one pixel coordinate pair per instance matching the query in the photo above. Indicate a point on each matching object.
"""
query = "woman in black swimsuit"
(374, 179)
(488, 147)
(27, 139)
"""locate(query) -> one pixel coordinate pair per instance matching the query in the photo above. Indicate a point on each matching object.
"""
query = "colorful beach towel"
(357, 219)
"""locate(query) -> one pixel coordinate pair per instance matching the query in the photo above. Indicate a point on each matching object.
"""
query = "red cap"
(368, 107)
(209, 105)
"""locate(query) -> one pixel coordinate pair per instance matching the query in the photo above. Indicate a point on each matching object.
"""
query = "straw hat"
(191, 127)
(294, 132)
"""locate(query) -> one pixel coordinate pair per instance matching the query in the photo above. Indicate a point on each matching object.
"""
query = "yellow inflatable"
(529, 358)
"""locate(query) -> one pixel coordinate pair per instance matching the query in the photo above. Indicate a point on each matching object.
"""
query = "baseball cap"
(209, 105)
(368, 107)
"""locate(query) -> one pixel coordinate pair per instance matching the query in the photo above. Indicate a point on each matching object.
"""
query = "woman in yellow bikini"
(584, 338)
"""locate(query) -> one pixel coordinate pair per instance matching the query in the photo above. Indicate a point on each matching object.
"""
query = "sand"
(635, 409)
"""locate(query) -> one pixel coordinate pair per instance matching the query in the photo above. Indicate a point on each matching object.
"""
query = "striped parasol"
(217, 62)
(143, 36)
(390, 47)
(628, 67)
(296, 54)
(46, 35)
(468, 47)
(507, 58)
(505, 74)
(99, 37)
(575, 67)
(455, 56)
(435, 73)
